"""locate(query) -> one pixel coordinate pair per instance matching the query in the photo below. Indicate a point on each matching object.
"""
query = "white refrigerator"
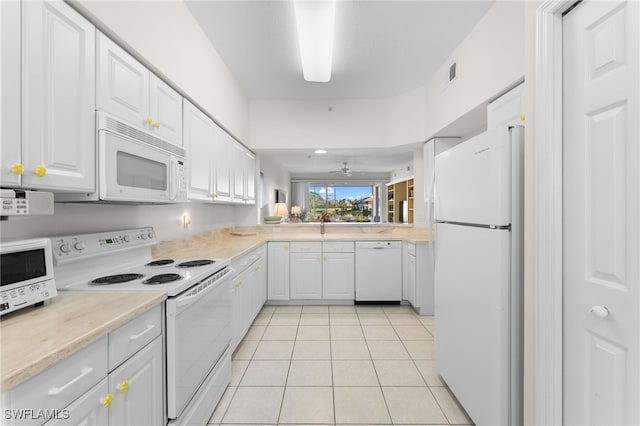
(479, 275)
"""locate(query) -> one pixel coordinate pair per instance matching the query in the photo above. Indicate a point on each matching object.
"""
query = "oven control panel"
(72, 247)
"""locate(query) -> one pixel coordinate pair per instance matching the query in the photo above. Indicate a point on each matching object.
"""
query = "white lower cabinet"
(338, 276)
(83, 390)
(86, 410)
(278, 271)
(248, 292)
(306, 275)
(418, 283)
(313, 270)
(136, 387)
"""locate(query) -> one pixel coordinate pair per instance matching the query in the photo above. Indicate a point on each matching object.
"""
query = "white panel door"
(250, 178)
(199, 143)
(239, 172)
(601, 196)
(165, 110)
(306, 276)
(278, 271)
(222, 163)
(473, 180)
(10, 148)
(137, 388)
(58, 93)
(122, 84)
(472, 301)
(88, 409)
(338, 276)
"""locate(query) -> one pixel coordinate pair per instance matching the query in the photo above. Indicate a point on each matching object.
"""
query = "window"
(341, 203)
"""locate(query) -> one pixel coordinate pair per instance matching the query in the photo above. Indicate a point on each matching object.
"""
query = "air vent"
(452, 72)
(123, 129)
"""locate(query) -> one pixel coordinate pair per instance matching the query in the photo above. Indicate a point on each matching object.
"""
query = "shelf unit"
(400, 201)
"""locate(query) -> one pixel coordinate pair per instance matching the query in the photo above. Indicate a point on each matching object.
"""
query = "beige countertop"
(33, 339)
(222, 244)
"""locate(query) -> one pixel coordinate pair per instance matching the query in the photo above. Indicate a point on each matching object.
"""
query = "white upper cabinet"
(165, 108)
(199, 132)
(223, 152)
(244, 176)
(127, 89)
(10, 148)
(58, 98)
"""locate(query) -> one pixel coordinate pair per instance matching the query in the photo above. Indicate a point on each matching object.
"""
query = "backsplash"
(167, 220)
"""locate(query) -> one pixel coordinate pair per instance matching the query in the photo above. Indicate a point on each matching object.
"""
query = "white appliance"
(135, 166)
(26, 274)
(19, 202)
(479, 275)
(198, 309)
(378, 271)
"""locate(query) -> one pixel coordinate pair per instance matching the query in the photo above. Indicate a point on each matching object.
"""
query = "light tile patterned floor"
(337, 365)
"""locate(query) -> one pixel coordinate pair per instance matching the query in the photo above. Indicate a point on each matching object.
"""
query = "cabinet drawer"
(133, 336)
(337, 246)
(306, 247)
(61, 384)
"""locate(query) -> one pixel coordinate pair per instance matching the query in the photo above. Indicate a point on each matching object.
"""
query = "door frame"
(548, 209)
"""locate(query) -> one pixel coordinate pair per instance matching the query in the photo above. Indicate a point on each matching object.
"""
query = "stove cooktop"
(170, 275)
(121, 260)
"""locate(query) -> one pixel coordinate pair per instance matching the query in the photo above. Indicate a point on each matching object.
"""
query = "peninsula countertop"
(222, 243)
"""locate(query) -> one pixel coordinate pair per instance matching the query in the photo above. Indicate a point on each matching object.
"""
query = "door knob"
(600, 311)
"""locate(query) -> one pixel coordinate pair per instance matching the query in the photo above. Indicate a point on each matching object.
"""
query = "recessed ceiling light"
(320, 151)
(315, 21)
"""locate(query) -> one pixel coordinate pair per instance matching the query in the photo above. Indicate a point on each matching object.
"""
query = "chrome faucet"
(322, 225)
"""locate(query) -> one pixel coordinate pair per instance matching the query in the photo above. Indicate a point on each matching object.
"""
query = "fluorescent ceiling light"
(320, 151)
(315, 20)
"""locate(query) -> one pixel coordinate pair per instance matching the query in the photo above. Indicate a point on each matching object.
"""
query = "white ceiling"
(382, 48)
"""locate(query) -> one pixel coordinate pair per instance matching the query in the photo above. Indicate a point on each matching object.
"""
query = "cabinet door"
(223, 151)
(198, 141)
(306, 276)
(137, 387)
(278, 271)
(122, 84)
(237, 326)
(165, 110)
(58, 93)
(250, 178)
(239, 172)
(86, 410)
(10, 151)
(411, 278)
(338, 276)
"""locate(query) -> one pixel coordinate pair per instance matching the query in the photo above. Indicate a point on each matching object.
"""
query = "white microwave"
(135, 167)
(26, 274)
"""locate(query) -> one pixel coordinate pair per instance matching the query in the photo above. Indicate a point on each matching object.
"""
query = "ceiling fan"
(344, 170)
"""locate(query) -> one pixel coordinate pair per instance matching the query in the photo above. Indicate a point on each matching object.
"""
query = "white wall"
(489, 59)
(275, 177)
(405, 118)
(165, 34)
(84, 218)
(309, 124)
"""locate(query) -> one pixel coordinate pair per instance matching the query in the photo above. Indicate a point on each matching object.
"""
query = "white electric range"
(197, 311)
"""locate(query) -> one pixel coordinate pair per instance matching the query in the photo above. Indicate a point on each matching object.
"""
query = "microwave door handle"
(173, 178)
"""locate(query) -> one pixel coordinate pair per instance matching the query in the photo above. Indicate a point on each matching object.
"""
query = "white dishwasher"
(378, 271)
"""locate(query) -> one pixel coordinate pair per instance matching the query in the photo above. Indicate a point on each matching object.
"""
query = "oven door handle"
(188, 300)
